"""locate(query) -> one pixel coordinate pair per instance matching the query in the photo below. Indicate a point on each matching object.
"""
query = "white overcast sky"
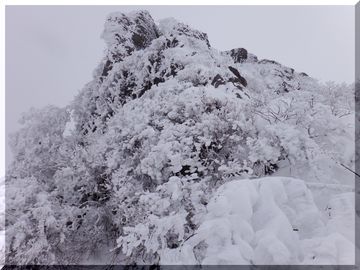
(51, 51)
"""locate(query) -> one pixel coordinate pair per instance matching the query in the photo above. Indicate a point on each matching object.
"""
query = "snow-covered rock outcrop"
(164, 158)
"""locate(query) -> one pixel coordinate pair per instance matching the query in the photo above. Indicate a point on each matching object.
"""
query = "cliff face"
(165, 157)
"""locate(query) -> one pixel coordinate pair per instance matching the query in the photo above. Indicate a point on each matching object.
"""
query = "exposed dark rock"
(172, 240)
(147, 182)
(125, 33)
(286, 75)
(172, 43)
(215, 105)
(239, 78)
(286, 87)
(107, 67)
(303, 74)
(239, 55)
(158, 80)
(187, 170)
(174, 67)
(236, 82)
(180, 29)
(218, 80)
(187, 31)
(234, 71)
(267, 61)
(137, 27)
(139, 41)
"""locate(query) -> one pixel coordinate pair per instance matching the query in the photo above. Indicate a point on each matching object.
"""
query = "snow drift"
(271, 220)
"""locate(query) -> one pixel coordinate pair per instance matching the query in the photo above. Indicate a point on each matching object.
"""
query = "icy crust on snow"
(271, 220)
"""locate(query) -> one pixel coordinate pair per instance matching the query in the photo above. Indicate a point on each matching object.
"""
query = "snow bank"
(272, 220)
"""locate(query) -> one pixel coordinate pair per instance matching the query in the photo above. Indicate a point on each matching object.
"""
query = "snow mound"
(271, 220)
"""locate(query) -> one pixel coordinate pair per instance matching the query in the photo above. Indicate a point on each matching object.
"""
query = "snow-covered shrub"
(36, 145)
(31, 222)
